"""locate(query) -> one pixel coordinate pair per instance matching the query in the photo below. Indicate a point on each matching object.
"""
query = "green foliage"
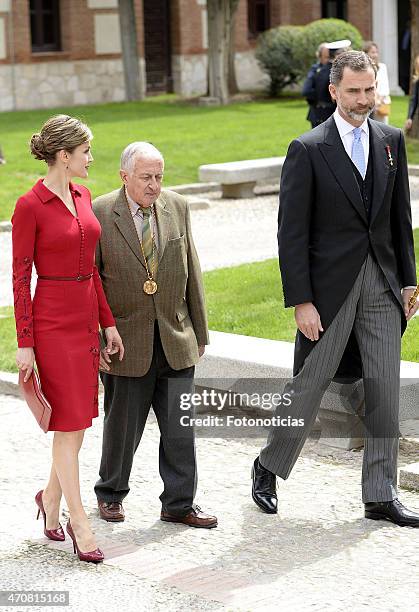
(277, 52)
(287, 52)
(326, 30)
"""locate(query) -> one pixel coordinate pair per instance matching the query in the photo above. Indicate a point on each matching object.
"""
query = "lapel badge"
(389, 157)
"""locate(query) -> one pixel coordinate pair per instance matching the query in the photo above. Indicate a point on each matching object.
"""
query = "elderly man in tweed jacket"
(152, 279)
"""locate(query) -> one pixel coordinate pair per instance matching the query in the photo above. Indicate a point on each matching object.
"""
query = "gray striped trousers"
(372, 311)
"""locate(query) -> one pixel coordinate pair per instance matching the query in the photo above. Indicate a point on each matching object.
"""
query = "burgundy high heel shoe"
(94, 556)
(52, 534)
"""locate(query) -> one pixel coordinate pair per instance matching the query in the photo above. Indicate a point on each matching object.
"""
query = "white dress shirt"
(137, 216)
(346, 134)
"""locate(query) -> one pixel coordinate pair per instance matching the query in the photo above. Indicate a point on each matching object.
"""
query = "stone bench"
(239, 178)
(255, 365)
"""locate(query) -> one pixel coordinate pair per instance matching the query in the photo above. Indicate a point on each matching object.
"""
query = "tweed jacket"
(179, 303)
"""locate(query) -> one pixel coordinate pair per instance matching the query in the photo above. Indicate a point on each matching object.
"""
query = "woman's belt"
(67, 278)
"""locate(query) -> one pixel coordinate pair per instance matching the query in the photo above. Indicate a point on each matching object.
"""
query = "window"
(259, 16)
(334, 8)
(45, 25)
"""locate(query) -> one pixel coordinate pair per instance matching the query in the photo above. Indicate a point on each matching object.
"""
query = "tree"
(220, 28)
(414, 6)
(134, 81)
(232, 80)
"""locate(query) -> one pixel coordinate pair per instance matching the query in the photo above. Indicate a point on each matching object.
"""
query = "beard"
(356, 115)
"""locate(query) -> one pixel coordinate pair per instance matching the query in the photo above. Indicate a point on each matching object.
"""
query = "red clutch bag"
(37, 402)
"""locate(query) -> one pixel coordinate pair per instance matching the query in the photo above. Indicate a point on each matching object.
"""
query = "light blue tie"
(357, 154)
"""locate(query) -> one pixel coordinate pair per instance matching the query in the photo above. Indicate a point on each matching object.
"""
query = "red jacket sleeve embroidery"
(23, 241)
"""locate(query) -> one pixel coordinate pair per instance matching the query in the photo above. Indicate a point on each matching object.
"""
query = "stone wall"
(51, 84)
(63, 83)
(6, 98)
(190, 74)
(249, 75)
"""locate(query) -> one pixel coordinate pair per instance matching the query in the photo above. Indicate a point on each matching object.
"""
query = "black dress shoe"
(393, 511)
(264, 488)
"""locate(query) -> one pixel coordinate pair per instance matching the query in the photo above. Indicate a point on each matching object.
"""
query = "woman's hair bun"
(59, 133)
(37, 147)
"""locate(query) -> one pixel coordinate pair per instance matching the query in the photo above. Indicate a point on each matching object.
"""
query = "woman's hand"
(25, 358)
(114, 342)
(408, 125)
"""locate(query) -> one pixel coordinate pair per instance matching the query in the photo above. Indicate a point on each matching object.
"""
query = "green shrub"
(324, 30)
(277, 53)
(287, 52)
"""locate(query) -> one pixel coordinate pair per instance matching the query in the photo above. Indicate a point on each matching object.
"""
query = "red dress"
(62, 323)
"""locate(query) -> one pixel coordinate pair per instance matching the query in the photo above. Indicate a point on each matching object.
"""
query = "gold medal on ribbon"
(150, 286)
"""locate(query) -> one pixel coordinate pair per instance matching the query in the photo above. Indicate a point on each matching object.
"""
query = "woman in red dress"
(54, 227)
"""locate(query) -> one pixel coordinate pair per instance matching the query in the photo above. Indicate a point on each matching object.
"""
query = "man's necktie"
(357, 155)
(147, 240)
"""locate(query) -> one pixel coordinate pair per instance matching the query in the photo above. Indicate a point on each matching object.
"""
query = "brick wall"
(140, 30)
(360, 15)
(77, 26)
(242, 30)
(175, 26)
(77, 32)
(275, 13)
(298, 13)
(77, 29)
(186, 25)
(21, 32)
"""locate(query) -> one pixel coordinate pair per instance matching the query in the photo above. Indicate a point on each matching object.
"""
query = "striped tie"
(357, 155)
(147, 240)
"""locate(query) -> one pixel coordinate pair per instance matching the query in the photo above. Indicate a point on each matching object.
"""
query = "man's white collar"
(344, 127)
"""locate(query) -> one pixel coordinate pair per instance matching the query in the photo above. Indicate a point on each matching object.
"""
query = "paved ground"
(224, 233)
(318, 554)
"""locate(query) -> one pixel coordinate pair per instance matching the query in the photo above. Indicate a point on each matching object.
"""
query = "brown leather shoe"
(195, 518)
(113, 512)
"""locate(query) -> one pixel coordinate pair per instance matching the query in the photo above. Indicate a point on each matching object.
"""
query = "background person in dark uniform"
(309, 88)
(316, 86)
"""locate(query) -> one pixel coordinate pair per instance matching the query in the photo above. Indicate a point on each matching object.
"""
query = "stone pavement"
(224, 233)
(318, 554)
